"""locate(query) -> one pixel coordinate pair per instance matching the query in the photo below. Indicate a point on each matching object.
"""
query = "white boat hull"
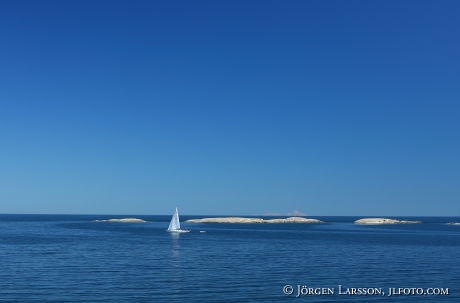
(179, 231)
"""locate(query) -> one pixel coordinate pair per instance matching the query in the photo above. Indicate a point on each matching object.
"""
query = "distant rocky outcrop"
(378, 221)
(293, 220)
(123, 220)
(253, 220)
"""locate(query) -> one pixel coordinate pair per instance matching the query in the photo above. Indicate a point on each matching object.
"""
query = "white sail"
(174, 225)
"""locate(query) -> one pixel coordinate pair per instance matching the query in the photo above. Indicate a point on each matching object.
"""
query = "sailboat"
(174, 225)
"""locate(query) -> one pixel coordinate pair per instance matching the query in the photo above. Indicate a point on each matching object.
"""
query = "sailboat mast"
(176, 217)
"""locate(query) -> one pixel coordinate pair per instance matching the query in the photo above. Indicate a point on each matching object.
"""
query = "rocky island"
(123, 220)
(379, 221)
(243, 220)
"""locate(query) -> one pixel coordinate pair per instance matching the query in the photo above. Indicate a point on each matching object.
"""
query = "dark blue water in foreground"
(59, 258)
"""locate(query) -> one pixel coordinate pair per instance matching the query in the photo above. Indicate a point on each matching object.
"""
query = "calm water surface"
(64, 258)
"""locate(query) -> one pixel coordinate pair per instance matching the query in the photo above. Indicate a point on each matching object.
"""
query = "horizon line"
(217, 215)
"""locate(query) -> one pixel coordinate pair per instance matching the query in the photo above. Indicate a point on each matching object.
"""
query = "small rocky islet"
(382, 221)
(123, 220)
(243, 220)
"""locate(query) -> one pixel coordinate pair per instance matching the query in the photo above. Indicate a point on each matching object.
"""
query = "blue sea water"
(67, 258)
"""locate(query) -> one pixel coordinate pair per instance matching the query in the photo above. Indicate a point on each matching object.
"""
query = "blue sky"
(230, 107)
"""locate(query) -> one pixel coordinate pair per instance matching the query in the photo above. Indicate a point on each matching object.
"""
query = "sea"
(74, 258)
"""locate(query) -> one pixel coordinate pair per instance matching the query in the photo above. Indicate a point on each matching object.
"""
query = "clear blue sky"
(230, 107)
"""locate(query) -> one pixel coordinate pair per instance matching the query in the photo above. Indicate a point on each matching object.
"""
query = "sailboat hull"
(179, 231)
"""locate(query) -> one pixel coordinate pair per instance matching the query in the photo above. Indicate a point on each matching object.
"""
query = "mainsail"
(175, 223)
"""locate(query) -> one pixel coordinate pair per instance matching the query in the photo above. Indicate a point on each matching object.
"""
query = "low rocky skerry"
(381, 221)
(243, 220)
(123, 220)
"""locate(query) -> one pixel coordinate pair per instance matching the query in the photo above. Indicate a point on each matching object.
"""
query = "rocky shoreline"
(380, 221)
(243, 220)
